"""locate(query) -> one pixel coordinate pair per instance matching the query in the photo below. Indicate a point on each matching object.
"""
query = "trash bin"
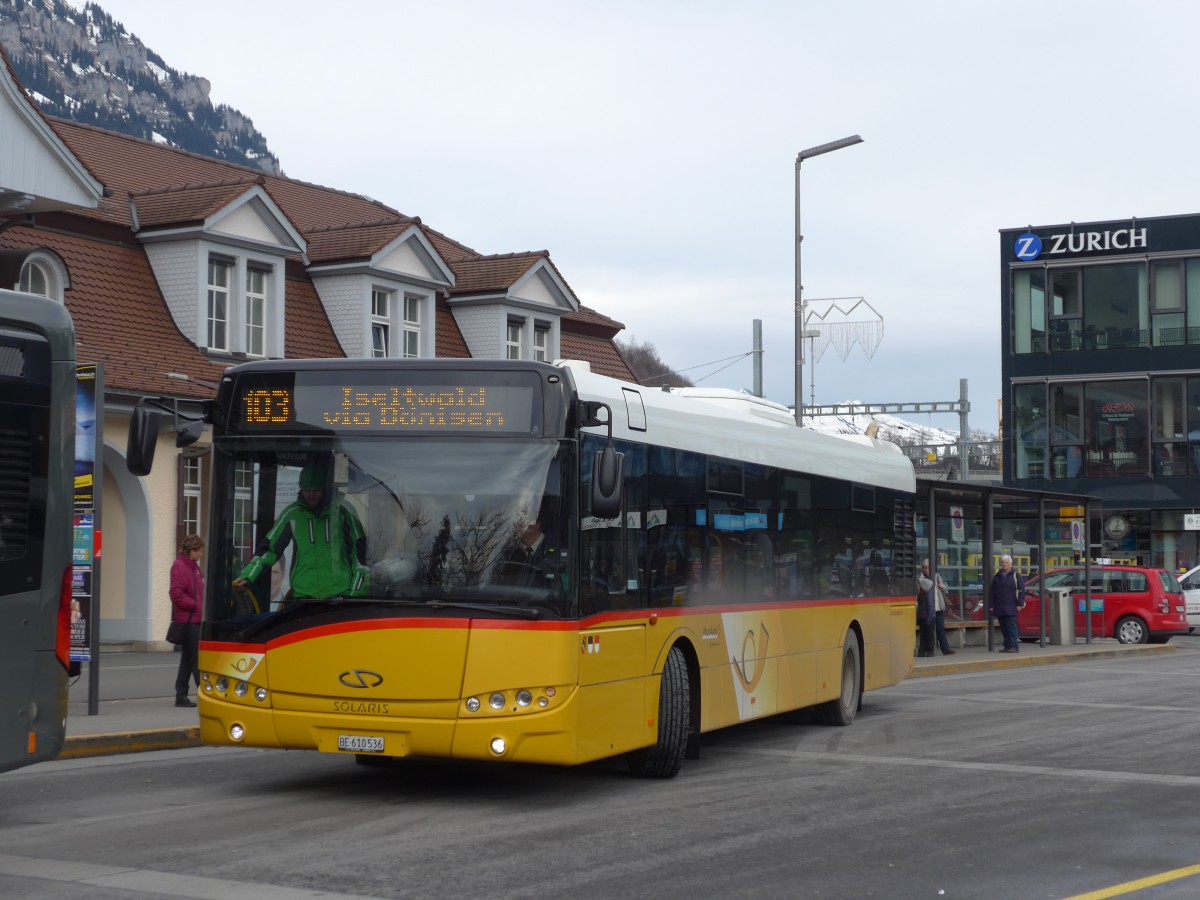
(1061, 615)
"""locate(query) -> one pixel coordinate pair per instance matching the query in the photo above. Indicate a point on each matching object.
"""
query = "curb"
(130, 742)
(1009, 661)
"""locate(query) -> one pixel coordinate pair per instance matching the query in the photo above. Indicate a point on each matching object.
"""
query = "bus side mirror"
(143, 440)
(606, 483)
(188, 433)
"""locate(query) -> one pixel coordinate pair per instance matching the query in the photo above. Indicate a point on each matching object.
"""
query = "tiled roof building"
(175, 266)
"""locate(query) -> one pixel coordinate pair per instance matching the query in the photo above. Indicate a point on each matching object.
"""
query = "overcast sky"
(651, 148)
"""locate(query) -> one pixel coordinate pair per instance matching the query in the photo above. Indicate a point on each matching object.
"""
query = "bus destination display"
(383, 408)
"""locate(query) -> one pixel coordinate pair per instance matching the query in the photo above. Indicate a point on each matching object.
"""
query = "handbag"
(175, 632)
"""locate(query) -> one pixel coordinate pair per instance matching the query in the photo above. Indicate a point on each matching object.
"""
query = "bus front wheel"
(664, 758)
(843, 710)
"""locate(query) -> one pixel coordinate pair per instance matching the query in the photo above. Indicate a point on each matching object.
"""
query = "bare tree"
(647, 365)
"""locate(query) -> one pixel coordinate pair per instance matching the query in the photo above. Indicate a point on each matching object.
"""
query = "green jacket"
(328, 559)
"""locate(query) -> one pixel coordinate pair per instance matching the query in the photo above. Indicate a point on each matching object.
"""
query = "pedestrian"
(926, 583)
(1008, 598)
(925, 619)
(329, 557)
(187, 599)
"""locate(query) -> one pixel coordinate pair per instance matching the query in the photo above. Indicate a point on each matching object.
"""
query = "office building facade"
(1101, 371)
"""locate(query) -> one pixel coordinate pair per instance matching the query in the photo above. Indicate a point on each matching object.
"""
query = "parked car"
(1133, 604)
(1190, 582)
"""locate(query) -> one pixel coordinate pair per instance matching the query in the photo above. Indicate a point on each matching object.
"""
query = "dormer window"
(43, 273)
(218, 253)
(541, 341)
(512, 341)
(381, 322)
(257, 281)
(402, 314)
(412, 326)
(219, 273)
(238, 321)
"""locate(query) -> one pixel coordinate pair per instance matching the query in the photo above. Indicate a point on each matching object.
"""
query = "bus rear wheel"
(843, 710)
(664, 758)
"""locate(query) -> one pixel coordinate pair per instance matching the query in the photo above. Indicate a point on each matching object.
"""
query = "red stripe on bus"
(612, 616)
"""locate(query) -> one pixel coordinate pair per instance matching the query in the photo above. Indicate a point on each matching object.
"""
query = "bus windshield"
(367, 526)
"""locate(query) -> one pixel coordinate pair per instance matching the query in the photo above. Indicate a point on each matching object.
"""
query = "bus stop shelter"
(965, 527)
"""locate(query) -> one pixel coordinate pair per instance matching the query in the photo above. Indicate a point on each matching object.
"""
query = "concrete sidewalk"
(135, 710)
(136, 707)
(975, 659)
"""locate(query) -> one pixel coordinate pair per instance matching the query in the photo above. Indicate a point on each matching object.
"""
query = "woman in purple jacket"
(187, 597)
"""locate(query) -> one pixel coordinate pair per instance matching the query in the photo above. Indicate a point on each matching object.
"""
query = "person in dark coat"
(926, 599)
(925, 583)
(187, 599)
(1008, 598)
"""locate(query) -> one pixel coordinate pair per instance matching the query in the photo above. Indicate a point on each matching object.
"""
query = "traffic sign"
(956, 521)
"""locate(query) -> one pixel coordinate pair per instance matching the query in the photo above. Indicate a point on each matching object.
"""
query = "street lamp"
(800, 335)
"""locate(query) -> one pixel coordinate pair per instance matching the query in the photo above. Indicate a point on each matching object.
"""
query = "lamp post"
(800, 157)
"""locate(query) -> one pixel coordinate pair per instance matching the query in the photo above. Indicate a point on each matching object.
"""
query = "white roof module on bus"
(734, 425)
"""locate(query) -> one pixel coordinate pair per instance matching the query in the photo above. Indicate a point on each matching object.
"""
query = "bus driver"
(330, 545)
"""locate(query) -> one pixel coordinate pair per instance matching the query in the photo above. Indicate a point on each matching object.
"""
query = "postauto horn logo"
(1028, 247)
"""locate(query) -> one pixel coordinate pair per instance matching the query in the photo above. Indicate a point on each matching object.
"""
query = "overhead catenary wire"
(729, 360)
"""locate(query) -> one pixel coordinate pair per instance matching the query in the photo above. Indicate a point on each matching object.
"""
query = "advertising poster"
(85, 437)
(81, 586)
(89, 380)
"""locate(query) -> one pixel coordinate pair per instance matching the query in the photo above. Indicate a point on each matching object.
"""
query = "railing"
(983, 459)
(1070, 339)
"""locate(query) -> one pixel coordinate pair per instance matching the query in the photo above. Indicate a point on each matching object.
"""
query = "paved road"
(1045, 781)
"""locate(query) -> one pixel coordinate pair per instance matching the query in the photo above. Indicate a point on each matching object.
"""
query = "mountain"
(891, 428)
(81, 64)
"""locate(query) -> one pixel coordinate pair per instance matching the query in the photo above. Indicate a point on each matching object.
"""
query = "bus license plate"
(357, 743)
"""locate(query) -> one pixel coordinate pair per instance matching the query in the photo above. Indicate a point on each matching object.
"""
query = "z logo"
(361, 678)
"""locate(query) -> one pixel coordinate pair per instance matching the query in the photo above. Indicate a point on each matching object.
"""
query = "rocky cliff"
(83, 65)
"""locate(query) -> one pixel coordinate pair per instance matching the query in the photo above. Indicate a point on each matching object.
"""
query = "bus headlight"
(496, 701)
(524, 698)
(260, 694)
(499, 746)
(241, 689)
(472, 704)
(236, 732)
(222, 684)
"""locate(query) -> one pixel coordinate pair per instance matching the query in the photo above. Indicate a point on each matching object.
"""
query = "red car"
(1133, 604)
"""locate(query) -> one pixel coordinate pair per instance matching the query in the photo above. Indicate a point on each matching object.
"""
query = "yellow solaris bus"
(521, 561)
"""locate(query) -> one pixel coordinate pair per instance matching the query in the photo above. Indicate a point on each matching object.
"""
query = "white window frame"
(192, 514)
(255, 285)
(381, 322)
(51, 271)
(245, 480)
(411, 336)
(218, 320)
(514, 349)
(541, 341)
(257, 301)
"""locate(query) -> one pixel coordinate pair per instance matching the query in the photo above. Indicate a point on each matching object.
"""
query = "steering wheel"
(244, 601)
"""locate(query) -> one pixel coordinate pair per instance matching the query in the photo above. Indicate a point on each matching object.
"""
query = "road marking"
(1140, 884)
(164, 884)
(1026, 701)
(1169, 780)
